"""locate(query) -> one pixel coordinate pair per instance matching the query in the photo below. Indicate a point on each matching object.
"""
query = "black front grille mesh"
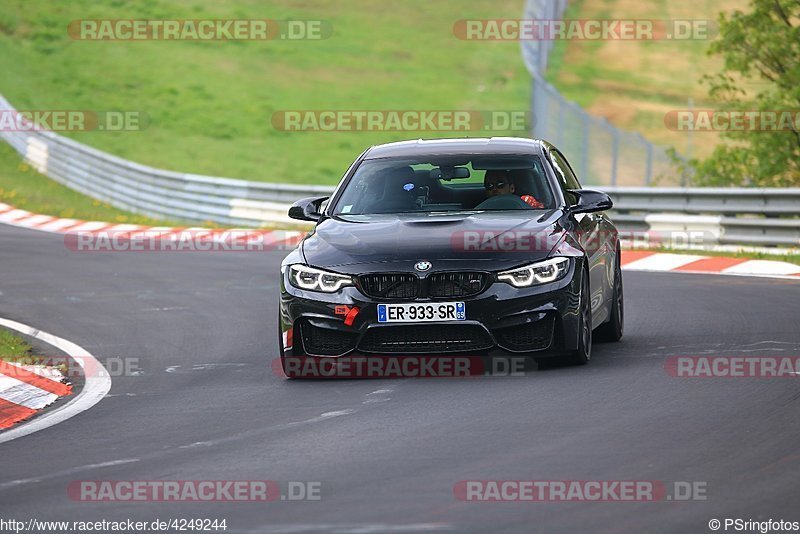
(536, 335)
(325, 341)
(437, 285)
(461, 284)
(390, 286)
(418, 338)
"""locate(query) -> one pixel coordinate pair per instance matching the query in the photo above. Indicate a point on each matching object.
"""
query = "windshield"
(438, 184)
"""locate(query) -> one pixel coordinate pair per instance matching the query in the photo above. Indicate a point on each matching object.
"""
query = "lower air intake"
(426, 338)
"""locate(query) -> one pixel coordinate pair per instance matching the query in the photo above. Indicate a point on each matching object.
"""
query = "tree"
(761, 49)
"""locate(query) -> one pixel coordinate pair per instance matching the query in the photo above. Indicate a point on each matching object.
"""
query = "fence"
(600, 153)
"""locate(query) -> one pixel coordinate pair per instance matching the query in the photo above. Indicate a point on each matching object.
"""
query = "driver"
(498, 182)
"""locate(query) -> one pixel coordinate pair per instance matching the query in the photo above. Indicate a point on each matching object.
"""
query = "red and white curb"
(10, 215)
(632, 260)
(645, 260)
(24, 391)
(45, 223)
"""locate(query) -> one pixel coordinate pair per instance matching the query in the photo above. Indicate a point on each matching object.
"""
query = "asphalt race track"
(207, 406)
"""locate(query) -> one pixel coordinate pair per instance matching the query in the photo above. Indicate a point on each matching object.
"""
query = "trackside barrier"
(740, 216)
(157, 193)
(765, 217)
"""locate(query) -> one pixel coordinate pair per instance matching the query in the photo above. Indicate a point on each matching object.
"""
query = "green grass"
(13, 348)
(24, 188)
(210, 104)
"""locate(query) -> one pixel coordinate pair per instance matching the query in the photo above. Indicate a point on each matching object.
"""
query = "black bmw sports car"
(453, 246)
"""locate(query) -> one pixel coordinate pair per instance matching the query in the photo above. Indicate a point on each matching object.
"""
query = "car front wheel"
(583, 353)
(612, 329)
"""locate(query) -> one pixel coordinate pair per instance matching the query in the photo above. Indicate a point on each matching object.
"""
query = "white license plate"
(421, 313)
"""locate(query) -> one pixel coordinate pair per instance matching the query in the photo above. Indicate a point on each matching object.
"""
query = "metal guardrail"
(711, 200)
(763, 217)
(157, 193)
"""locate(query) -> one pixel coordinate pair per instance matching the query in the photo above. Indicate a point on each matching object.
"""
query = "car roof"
(457, 146)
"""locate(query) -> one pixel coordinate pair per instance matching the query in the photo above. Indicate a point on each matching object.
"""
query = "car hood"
(488, 241)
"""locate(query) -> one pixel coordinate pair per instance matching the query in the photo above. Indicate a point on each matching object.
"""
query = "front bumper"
(502, 320)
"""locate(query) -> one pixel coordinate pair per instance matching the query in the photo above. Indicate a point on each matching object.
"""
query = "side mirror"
(590, 201)
(307, 209)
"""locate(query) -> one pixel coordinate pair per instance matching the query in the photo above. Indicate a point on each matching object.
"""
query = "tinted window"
(566, 178)
(446, 184)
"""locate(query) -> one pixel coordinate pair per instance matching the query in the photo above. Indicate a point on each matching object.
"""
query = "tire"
(583, 353)
(612, 329)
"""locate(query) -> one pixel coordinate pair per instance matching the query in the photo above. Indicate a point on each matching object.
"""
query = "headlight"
(305, 277)
(542, 272)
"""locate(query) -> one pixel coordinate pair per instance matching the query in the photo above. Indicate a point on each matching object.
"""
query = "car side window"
(566, 178)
